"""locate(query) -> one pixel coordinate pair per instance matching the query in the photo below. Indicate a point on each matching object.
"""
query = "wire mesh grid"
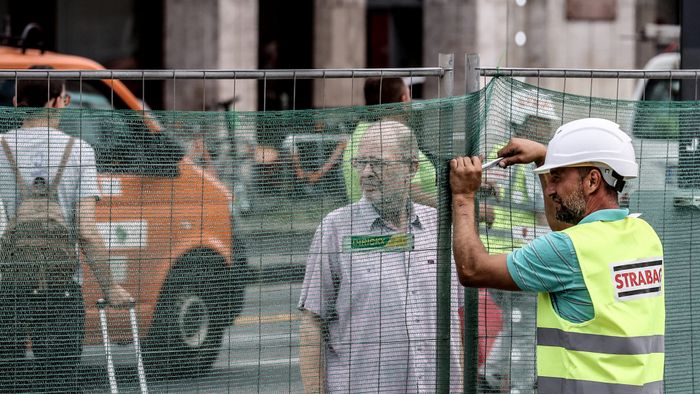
(148, 198)
(257, 243)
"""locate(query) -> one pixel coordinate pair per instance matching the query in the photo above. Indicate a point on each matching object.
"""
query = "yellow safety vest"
(620, 350)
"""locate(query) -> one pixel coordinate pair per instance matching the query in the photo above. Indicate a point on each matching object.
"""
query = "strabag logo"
(637, 279)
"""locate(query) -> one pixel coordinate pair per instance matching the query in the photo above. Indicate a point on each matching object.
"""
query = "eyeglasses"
(359, 164)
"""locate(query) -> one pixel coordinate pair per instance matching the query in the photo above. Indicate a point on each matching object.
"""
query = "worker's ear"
(593, 181)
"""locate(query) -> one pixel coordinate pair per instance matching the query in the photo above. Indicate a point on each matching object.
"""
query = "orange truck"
(166, 222)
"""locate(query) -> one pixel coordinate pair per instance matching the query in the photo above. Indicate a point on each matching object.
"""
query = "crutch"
(102, 306)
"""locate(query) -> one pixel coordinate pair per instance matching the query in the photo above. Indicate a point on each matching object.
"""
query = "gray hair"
(391, 133)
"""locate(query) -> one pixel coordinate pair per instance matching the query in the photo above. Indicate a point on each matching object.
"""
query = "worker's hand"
(117, 296)
(522, 151)
(465, 175)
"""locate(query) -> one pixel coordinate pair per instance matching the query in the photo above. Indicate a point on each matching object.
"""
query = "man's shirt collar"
(375, 221)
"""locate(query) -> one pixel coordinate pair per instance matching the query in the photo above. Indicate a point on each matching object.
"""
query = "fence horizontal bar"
(222, 74)
(588, 73)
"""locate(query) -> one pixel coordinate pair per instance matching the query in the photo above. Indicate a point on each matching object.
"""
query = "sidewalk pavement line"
(265, 363)
(266, 319)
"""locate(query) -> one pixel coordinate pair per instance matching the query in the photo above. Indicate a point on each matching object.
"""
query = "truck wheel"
(186, 333)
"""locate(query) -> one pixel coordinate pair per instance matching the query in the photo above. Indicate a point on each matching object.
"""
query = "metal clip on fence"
(102, 306)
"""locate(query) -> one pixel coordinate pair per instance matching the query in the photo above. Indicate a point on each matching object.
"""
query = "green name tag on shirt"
(399, 242)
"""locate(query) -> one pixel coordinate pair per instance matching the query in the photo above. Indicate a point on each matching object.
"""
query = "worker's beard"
(572, 207)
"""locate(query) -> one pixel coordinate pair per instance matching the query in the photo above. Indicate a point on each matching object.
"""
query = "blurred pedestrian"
(40, 297)
(315, 159)
(519, 216)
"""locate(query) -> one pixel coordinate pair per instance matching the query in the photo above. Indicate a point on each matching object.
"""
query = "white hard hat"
(531, 104)
(595, 142)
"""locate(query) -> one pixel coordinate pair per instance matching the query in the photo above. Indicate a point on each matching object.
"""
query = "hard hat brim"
(544, 169)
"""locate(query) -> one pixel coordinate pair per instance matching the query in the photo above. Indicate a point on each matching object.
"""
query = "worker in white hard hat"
(600, 310)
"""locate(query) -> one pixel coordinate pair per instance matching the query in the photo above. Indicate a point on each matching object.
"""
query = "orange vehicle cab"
(166, 222)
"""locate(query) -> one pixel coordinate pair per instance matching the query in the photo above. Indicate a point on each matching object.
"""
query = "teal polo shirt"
(549, 264)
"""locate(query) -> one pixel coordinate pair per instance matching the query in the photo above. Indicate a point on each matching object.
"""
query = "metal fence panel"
(208, 220)
(221, 224)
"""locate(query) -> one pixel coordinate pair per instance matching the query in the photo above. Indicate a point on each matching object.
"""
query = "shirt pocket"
(362, 276)
(376, 278)
(423, 274)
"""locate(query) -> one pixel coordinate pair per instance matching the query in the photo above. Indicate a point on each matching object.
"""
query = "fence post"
(471, 295)
(471, 62)
(444, 251)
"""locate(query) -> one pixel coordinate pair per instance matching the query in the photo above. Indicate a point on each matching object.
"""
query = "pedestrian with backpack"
(48, 185)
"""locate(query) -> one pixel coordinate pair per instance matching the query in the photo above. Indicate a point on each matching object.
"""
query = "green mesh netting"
(222, 224)
(208, 219)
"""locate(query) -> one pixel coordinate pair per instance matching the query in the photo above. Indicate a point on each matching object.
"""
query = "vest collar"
(606, 215)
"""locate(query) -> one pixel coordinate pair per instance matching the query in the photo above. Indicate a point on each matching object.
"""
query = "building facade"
(253, 34)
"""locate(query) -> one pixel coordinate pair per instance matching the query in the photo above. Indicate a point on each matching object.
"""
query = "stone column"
(534, 25)
(238, 49)
(596, 44)
(449, 26)
(210, 34)
(339, 42)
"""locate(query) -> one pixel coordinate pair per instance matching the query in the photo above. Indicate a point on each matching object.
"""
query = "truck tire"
(185, 336)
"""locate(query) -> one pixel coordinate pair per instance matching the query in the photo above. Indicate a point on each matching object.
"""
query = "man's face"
(565, 188)
(384, 174)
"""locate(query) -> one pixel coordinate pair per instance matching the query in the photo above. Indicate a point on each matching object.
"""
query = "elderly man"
(369, 295)
(385, 90)
(600, 308)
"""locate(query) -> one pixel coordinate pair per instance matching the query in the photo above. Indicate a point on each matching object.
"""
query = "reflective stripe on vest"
(620, 350)
(600, 343)
(557, 385)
